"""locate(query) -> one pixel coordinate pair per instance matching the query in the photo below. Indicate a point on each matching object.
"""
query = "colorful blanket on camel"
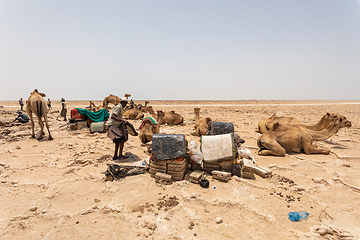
(99, 116)
(150, 120)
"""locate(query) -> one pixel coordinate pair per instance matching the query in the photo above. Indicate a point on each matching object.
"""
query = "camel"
(152, 112)
(133, 113)
(113, 99)
(297, 138)
(323, 123)
(95, 108)
(147, 128)
(201, 125)
(197, 114)
(171, 118)
(37, 105)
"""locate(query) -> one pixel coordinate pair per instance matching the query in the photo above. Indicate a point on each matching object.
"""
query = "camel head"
(160, 116)
(37, 92)
(343, 121)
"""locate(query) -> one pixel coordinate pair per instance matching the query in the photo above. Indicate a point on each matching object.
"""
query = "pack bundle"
(218, 148)
(169, 155)
(99, 127)
(218, 128)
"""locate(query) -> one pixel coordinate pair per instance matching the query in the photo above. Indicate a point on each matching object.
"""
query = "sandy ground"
(56, 189)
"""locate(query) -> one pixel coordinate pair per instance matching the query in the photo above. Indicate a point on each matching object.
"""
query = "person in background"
(21, 103)
(22, 117)
(49, 104)
(117, 131)
(63, 109)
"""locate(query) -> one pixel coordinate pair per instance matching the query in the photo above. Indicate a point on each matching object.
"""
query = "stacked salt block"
(158, 166)
(247, 169)
(219, 175)
(194, 166)
(163, 178)
(226, 166)
(211, 166)
(177, 168)
(195, 177)
(262, 172)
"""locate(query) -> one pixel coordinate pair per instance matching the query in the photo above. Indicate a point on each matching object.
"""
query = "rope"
(190, 179)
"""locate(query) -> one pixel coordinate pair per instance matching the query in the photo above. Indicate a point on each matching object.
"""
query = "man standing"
(63, 109)
(21, 104)
(118, 129)
(49, 104)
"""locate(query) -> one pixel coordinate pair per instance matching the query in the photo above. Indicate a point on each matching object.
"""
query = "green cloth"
(99, 116)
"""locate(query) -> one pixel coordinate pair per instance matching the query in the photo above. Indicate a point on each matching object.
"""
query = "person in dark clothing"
(49, 104)
(21, 103)
(22, 117)
(63, 109)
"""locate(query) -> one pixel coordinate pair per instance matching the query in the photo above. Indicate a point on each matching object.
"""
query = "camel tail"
(39, 108)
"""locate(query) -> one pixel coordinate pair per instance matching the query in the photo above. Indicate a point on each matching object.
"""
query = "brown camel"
(152, 112)
(133, 113)
(297, 138)
(147, 129)
(197, 114)
(37, 105)
(113, 99)
(95, 108)
(171, 118)
(268, 123)
(201, 125)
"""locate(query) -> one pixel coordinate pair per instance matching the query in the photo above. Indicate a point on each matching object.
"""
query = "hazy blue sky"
(188, 49)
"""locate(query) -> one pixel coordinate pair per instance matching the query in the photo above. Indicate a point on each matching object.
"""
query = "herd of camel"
(278, 134)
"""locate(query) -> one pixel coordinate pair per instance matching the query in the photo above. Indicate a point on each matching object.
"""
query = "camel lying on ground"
(152, 112)
(268, 123)
(147, 129)
(171, 118)
(94, 108)
(37, 105)
(133, 114)
(201, 125)
(297, 138)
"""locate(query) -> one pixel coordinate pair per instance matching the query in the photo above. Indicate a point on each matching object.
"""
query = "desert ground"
(57, 189)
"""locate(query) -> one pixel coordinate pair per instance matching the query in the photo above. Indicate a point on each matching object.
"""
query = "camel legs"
(269, 146)
(32, 124)
(41, 128)
(309, 148)
(47, 126)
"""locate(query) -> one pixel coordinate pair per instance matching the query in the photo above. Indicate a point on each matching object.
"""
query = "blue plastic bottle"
(297, 216)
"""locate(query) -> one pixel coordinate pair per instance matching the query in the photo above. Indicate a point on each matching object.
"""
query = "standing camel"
(37, 105)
